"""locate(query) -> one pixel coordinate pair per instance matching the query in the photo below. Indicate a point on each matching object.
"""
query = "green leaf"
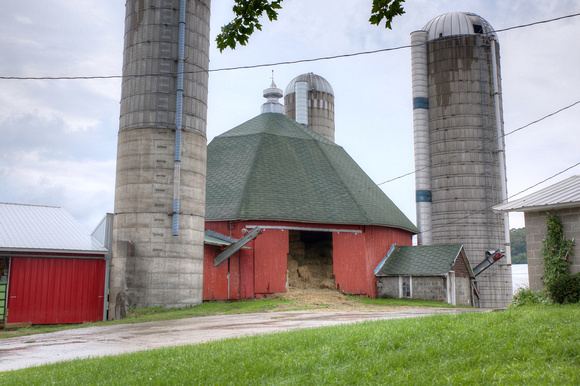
(245, 22)
(247, 13)
(386, 10)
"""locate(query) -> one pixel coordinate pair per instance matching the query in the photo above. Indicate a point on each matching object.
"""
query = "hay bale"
(292, 272)
(304, 273)
(328, 284)
(292, 265)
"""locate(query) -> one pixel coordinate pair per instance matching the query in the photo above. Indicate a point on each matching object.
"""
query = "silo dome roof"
(315, 82)
(457, 23)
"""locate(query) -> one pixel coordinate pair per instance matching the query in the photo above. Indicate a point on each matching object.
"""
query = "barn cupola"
(272, 94)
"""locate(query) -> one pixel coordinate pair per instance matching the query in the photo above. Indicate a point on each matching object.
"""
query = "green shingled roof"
(273, 168)
(420, 260)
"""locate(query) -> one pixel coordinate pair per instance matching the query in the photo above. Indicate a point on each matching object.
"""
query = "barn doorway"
(310, 261)
(4, 261)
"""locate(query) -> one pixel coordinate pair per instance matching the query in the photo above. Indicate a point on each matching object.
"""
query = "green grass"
(524, 345)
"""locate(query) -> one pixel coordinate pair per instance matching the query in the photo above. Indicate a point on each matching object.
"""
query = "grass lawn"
(524, 345)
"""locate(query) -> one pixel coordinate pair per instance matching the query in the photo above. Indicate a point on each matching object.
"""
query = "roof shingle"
(432, 260)
(271, 167)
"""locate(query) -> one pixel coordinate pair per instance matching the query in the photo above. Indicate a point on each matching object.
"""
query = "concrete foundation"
(427, 288)
(150, 266)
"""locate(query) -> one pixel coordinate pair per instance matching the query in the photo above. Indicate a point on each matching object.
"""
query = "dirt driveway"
(35, 350)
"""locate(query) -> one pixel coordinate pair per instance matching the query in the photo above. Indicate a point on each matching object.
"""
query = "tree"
(518, 244)
(248, 12)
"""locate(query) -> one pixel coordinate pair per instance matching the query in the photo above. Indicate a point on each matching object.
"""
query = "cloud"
(42, 162)
(59, 137)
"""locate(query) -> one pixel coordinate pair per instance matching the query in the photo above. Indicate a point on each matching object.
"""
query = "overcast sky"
(58, 138)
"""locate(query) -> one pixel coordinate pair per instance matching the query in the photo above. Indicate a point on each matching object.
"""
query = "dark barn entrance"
(310, 260)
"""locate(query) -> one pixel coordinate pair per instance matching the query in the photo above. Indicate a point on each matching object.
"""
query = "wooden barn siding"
(357, 255)
(460, 268)
(215, 284)
(255, 272)
(379, 240)
(56, 290)
(215, 279)
(247, 272)
(349, 263)
(270, 262)
(262, 270)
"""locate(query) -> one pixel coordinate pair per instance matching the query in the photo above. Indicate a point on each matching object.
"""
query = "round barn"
(287, 208)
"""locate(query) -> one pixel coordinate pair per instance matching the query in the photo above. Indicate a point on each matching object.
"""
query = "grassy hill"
(523, 345)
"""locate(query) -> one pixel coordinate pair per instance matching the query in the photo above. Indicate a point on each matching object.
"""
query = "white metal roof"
(456, 23)
(34, 227)
(563, 194)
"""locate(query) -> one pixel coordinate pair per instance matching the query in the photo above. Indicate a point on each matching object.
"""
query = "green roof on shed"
(273, 168)
(420, 260)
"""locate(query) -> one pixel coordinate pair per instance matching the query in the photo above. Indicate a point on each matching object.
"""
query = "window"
(405, 287)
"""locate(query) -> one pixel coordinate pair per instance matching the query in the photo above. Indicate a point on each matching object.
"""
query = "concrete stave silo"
(459, 154)
(309, 100)
(161, 156)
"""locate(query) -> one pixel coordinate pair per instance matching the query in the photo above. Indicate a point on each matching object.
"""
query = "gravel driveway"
(36, 350)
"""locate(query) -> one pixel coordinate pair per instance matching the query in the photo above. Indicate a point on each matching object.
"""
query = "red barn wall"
(55, 290)
(379, 240)
(247, 272)
(214, 285)
(349, 262)
(261, 271)
(271, 249)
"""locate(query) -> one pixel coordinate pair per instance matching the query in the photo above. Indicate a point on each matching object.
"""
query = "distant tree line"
(518, 244)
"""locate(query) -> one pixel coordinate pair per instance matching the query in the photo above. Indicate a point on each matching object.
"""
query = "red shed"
(51, 269)
(324, 222)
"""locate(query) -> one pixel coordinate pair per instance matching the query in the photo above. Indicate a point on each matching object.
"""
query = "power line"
(541, 182)
(504, 201)
(544, 117)
(538, 22)
(275, 63)
(346, 56)
(493, 140)
(380, 50)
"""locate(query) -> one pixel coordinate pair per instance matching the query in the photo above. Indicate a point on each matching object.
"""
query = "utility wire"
(493, 140)
(275, 63)
(504, 201)
(345, 56)
(544, 117)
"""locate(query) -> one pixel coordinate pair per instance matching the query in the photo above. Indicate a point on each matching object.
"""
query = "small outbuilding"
(562, 200)
(427, 272)
(51, 269)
